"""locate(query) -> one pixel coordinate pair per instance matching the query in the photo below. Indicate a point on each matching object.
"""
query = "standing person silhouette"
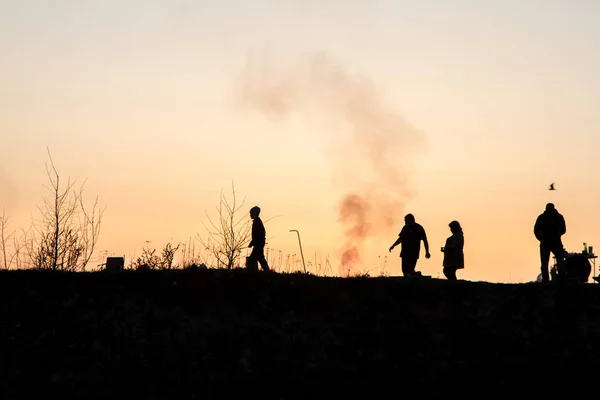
(548, 229)
(410, 237)
(258, 242)
(454, 258)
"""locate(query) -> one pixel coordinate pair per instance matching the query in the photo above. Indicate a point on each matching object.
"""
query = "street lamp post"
(301, 252)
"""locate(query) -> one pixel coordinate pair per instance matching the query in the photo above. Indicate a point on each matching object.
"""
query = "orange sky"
(477, 108)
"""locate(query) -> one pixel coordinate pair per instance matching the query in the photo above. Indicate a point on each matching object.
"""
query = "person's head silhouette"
(254, 212)
(455, 227)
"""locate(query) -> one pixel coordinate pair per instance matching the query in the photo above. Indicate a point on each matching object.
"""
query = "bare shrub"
(65, 235)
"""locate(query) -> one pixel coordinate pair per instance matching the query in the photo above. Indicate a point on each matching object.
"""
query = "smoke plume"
(370, 148)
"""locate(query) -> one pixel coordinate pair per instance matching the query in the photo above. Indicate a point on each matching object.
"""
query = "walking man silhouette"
(410, 237)
(257, 256)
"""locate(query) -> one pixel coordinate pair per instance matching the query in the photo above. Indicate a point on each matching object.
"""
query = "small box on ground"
(115, 264)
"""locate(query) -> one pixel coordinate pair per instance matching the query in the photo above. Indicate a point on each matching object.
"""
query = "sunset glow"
(336, 118)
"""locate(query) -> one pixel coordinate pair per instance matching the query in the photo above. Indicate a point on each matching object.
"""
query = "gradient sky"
(138, 97)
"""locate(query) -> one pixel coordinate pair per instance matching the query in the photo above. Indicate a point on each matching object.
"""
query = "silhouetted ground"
(219, 333)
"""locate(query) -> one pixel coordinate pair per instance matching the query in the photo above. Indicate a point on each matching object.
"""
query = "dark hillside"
(208, 334)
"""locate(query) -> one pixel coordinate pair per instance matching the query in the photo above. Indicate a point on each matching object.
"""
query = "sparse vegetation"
(149, 260)
(230, 233)
(186, 255)
(4, 240)
(63, 237)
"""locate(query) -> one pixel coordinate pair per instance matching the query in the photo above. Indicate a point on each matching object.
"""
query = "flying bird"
(551, 186)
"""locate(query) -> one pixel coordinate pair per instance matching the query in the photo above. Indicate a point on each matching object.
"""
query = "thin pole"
(301, 252)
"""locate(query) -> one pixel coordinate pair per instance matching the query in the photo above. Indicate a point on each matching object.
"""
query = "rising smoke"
(371, 149)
